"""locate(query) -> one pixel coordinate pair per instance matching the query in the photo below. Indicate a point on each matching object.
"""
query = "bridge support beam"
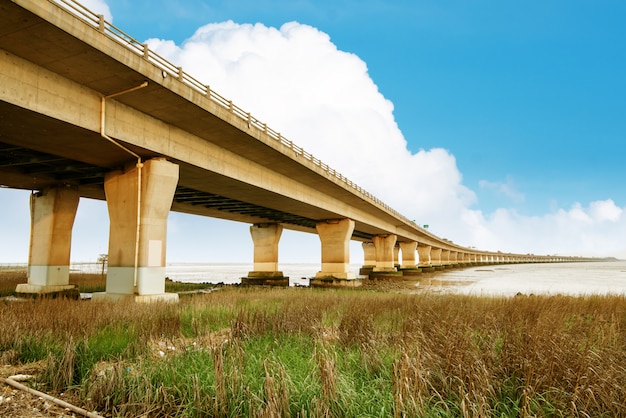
(137, 252)
(335, 238)
(423, 252)
(385, 252)
(396, 256)
(435, 258)
(266, 238)
(409, 260)
(369, 258)
(445, 258)
(52, 213)
(409, 250)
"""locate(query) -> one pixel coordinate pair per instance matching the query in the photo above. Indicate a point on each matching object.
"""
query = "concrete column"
(369, 258)
(408, 254)
(137, 260)
(396, 256)
(335, 238)
(369, 255)
(266, 238)
(52, 213)
(435, 256)
(385, 245)
(445, 257)
(453, 258)
(424, 254)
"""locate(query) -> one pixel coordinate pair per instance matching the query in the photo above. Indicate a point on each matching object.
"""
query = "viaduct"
(88, 111)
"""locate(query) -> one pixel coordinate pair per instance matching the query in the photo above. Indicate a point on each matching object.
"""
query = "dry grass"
(307, 352)
(86, 282)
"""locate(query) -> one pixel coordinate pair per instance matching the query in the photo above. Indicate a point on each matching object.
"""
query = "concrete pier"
(435, 258)
(409, 255)
(385, 253)
(52, 213)
(369, 258)
(423, 252)
(335, 239)
(266, 238)
(138, 231)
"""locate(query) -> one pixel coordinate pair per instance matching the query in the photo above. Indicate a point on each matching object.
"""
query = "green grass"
(310, 353)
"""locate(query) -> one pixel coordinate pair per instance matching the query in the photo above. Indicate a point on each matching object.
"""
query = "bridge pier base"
(385, 253)
(143, 247)
(266, 238)
(335, 238)
(52, 213)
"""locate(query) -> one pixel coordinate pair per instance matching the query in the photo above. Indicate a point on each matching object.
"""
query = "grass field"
(333, 353)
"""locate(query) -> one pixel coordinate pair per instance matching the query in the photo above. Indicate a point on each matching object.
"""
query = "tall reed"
(310, 352)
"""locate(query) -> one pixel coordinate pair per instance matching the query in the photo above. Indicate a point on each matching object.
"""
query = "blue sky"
(531, 92)
(524, 103)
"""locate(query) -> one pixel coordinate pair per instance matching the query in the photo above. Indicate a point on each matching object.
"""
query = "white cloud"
(506, 188)
(595, 230)
(605, 210)
(295, 79)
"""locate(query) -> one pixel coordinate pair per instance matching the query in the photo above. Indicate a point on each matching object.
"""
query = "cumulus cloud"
(295, 79)
(594, 230)
(605, 210)
(506, 188)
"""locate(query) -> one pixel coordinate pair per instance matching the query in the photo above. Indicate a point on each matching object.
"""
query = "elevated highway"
(88, 111)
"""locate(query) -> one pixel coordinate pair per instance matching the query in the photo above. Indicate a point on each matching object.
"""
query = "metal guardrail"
(97, 21)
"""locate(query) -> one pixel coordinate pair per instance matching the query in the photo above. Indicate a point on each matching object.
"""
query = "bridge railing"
(98, 22)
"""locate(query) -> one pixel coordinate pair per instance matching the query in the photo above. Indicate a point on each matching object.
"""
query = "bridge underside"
(34, 170)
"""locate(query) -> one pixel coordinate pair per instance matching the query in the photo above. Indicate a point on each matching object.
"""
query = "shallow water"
(550, 278)
(231, 273)
(507, 280)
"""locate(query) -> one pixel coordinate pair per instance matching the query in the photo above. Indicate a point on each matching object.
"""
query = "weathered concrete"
(52, 213)
(396, 255)
(335, 238)
(266, 238)
(409, 249)
(385, 256)
(137, 252)
(424, 254)
(445, 257)
(369, 258)
(435, 257)
(417, 271)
